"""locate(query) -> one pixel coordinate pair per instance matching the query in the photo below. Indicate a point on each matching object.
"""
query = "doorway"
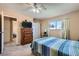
(36, 30)
(8, 31)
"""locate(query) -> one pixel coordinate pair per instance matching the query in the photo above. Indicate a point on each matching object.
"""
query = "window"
(57, 24)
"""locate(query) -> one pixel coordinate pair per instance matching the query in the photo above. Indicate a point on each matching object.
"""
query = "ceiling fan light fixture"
(35, 10)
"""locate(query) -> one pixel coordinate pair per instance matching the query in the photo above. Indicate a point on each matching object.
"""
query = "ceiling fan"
(36, 7)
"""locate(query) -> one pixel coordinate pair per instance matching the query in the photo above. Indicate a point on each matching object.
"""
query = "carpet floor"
(20, 50)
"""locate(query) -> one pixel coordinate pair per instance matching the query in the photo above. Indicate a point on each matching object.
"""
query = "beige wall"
(74, 25)
(16, 24)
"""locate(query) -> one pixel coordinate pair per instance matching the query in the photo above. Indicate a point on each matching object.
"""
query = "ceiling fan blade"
(43, 7)
(23, 5)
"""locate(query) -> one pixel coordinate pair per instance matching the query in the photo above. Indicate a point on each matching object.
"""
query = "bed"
(52, 46)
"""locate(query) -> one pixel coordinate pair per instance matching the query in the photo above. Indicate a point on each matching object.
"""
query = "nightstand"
(45, 35)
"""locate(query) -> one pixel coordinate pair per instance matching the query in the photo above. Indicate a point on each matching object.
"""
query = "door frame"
(2, 37)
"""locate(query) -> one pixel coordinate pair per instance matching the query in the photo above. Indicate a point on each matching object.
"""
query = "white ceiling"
(53, 9)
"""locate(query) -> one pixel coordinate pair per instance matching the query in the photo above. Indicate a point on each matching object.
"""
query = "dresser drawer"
(28, 35)
(27, 30)
(28, 38)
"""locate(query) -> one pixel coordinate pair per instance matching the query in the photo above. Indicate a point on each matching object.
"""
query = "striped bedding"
(51, 46)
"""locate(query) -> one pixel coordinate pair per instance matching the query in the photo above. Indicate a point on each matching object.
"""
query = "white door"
(0, 35)
(36, 31)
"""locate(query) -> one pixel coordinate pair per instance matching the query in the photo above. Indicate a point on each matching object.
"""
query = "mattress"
(51, 46)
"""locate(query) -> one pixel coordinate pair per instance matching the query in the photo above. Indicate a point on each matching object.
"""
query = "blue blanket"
(51, 46)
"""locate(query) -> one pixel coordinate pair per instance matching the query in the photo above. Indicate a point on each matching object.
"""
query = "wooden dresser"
(26, 36)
